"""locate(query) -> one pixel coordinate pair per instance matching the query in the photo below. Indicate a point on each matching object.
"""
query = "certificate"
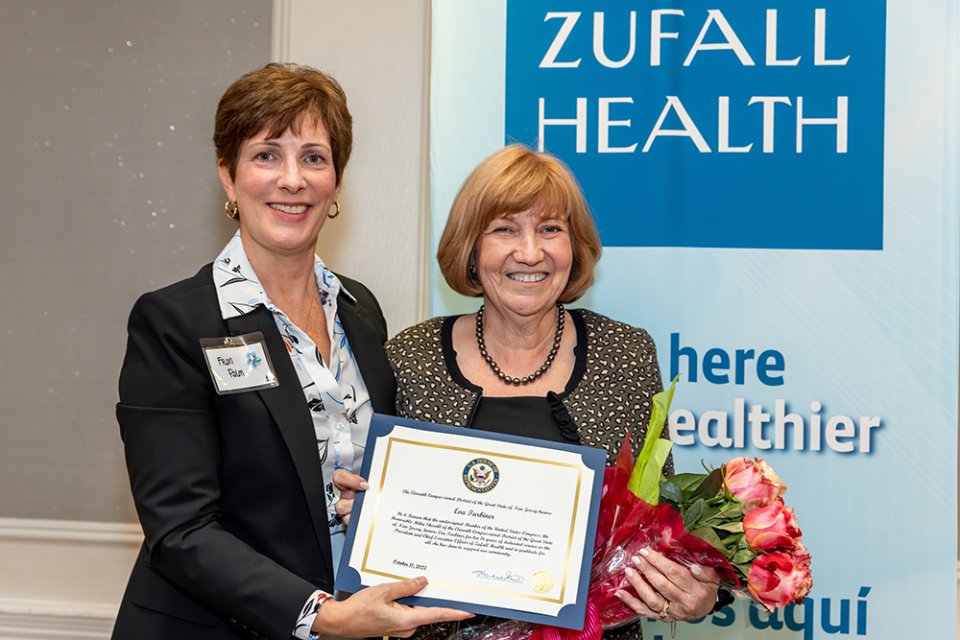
(500, 525)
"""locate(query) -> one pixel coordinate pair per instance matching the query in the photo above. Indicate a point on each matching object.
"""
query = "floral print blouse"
(334, 391)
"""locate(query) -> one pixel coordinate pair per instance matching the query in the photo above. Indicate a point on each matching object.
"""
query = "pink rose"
(799, 549)
(773, 527)
(753, 483)
(777, 579)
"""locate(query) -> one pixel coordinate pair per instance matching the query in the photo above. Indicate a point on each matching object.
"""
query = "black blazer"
(228, 489)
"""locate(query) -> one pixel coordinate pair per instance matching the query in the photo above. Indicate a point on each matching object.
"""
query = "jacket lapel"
(367, 348)
(289, 410)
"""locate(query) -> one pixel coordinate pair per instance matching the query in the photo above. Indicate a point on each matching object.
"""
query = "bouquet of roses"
(738, 509)
(732, 519)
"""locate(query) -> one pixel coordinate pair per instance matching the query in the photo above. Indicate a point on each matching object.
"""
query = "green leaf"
(687, 481)
(693, 514)
(728, 543)
(671, 492)
(746, 556)
(733, 527)
(708, 511)
(645, 478)
(730, 510)
(708, 535)
(710, 486)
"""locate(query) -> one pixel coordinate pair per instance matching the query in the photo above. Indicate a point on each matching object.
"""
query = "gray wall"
(379, 50)
(109, 189)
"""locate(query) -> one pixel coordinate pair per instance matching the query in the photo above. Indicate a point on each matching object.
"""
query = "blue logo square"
(711, 124)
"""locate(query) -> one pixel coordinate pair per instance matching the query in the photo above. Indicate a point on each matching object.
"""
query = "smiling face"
(524, 261)
(284, 188)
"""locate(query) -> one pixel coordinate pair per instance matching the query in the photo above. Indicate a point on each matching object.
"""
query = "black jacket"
(228, 489)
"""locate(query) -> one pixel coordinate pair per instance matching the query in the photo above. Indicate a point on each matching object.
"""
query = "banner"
(776, 187)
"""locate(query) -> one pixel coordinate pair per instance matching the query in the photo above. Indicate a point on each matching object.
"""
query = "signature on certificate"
(501, 576)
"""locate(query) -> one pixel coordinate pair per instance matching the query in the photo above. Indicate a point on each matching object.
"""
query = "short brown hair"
(274, 98)
(512, 180)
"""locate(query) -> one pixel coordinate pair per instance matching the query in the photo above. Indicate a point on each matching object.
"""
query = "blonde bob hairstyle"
(513, 180)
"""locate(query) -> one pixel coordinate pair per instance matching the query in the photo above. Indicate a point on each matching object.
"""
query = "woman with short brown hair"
(246, 394)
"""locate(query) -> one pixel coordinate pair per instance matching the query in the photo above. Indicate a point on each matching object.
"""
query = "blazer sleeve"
(172, 435)
(649, 383)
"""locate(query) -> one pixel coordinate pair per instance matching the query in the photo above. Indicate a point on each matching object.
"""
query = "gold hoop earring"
(337, 205)
(233, 211)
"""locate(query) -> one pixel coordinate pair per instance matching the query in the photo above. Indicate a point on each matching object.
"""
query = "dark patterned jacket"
(611, 390)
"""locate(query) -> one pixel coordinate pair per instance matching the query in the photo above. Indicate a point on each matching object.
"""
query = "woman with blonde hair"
(520, 235)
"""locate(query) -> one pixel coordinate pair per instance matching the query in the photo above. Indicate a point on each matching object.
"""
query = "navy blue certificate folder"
(570, 616)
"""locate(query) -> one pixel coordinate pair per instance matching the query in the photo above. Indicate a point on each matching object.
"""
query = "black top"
(527, 416)
(229, 489)
(542, 417)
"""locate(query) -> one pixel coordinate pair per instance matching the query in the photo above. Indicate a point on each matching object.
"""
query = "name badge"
(239, 363)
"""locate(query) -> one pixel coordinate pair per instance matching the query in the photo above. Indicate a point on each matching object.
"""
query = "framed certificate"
(500, 525)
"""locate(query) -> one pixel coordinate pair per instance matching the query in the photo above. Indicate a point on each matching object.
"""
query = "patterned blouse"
(610, 391)
(334, 391)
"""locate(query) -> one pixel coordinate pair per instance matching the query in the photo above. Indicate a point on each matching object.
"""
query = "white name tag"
(239, 363)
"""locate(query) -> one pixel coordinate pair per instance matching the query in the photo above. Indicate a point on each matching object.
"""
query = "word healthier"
(780, 430)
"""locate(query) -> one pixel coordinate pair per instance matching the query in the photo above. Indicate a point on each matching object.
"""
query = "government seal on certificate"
(481, 475)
